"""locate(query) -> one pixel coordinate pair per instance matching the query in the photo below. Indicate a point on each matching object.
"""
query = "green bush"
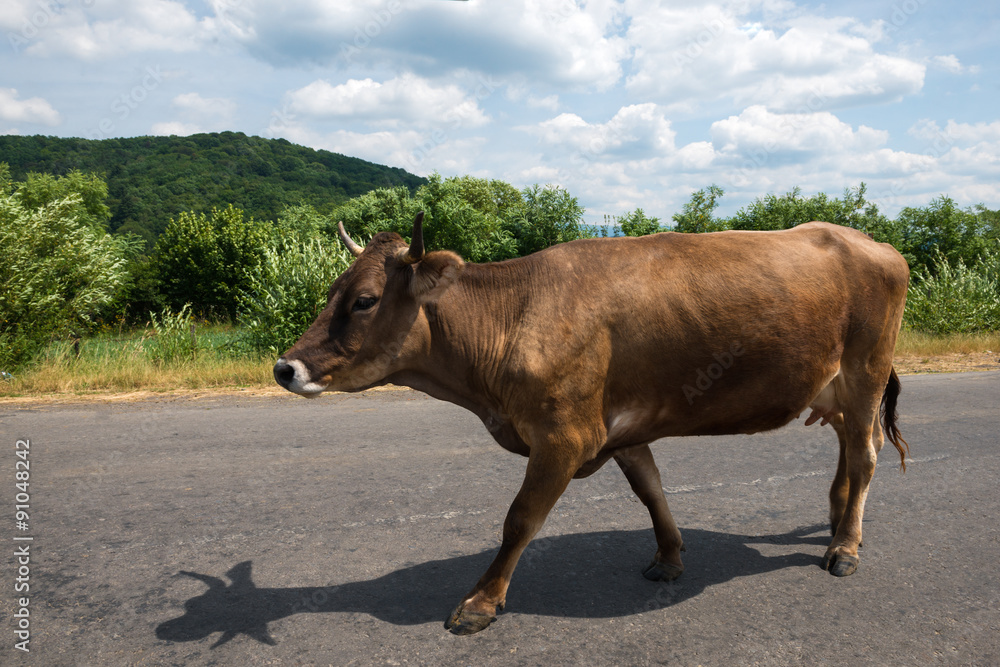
(942, 230)
(90, 209)
(57, 272)
(204, 259)
(637, 223)
(947, 297)
(697, 214)
(550, 215)
(285, 292)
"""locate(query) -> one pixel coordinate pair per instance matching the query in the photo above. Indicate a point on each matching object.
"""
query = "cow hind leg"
(640, 469)
(860, 439)
(841, 483)
(840, 486)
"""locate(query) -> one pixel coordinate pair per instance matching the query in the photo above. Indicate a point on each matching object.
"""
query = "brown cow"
(595, 348)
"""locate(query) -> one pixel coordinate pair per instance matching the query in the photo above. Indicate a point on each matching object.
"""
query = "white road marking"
(777, 479)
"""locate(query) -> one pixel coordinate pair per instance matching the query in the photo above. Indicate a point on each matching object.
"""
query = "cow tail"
(889, 417)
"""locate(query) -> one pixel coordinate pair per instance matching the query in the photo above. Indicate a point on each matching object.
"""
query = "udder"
(826, 406)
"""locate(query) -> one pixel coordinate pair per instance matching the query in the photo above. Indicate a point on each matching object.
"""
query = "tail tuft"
(889, 417)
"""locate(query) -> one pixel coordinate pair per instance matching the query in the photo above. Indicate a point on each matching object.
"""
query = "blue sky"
(626, 104)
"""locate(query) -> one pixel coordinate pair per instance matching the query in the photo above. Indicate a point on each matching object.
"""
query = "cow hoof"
(464, 622)
(840, 565)
(660, 571)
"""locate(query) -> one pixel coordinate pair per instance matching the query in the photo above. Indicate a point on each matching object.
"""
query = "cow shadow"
(578, 575)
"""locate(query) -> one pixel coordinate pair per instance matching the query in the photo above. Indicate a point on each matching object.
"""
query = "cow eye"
(363, 303)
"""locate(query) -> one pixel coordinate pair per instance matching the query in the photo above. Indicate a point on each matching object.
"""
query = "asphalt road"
(252, 531)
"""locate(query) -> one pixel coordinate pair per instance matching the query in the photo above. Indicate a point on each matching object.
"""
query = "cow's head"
(373, 323)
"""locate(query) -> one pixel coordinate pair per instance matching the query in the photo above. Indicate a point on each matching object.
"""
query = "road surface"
(251, 531)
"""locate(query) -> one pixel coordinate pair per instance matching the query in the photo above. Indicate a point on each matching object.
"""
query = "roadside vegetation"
(218, 293)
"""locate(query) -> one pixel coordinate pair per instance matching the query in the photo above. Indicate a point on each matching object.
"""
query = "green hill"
(152, 179)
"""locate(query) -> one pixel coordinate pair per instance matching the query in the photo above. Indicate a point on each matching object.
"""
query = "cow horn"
(416, 251)
(355, 249)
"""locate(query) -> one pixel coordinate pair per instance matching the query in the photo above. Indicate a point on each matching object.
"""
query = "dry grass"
(108, 365)
(125, 375)
(916, 343)
(918, 352)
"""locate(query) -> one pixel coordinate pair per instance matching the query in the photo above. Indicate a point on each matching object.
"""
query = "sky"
(626, 104)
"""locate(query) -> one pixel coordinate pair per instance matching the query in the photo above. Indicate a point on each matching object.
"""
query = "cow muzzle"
(294, 376)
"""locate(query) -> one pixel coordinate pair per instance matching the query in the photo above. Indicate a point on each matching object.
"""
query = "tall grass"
(924, 344)
(113, 363)
(286, 292)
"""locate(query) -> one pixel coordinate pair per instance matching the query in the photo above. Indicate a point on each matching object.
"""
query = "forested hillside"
(153, 179)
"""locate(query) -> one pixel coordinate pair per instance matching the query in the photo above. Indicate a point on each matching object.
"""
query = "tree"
(462, 214)
(942, 227)
(380, 210)
(637, 224)
(153, 179)
(550, 215)
(58, 273)
(204, 259)
(696, 216)
(6, 184)
(791, 209)
(90, 191)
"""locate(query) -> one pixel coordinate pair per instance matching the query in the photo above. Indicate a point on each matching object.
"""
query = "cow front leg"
(640, 469)
(546, 477)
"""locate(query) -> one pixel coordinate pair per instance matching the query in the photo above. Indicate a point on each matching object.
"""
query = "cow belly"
(637, 424)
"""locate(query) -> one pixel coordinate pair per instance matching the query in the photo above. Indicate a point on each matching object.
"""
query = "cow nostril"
(284, 373)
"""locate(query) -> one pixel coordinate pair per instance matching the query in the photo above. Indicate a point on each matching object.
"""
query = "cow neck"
(473, 326)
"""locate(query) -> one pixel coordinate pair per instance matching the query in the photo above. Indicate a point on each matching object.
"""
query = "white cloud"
(175, 127)
(195, 104)
(697, 155)
(31, 110)
(686, 56)
(104, 29)
(418, 152)
(406, 99)
(638, 130)
(949, 63)
(961, 133)
(556, 41)
(549, 102)
(641, 102)
(197, 114)
(756, 129)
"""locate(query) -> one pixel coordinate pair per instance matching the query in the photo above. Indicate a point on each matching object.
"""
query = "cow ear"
(434, 274)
